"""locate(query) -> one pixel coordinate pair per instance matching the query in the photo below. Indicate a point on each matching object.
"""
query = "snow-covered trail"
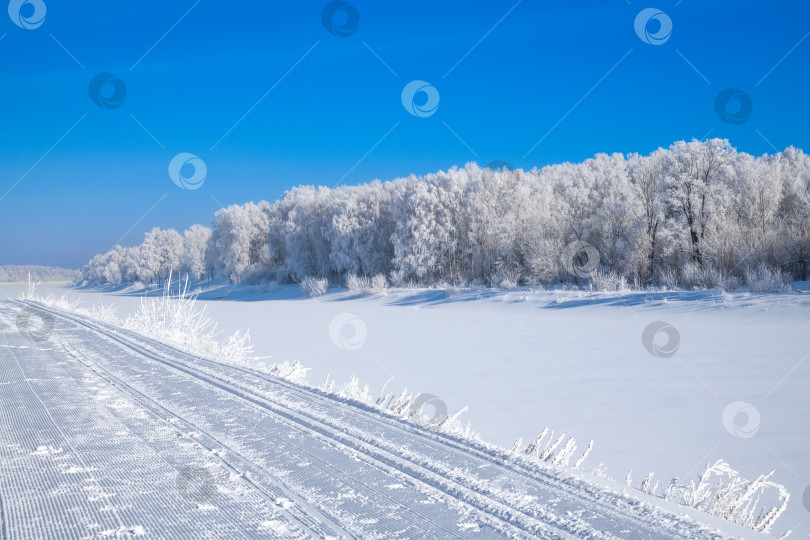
(105, 432)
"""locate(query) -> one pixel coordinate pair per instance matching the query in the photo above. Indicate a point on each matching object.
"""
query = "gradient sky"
(573, 75)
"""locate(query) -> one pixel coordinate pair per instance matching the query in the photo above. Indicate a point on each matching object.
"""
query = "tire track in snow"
(45, 493)
(64, 439)
(423, 474)
(389, 466)
(211, 444)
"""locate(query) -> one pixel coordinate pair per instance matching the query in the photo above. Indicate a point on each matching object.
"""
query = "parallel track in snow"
(509, 518)
(255, 476)
(441, 484)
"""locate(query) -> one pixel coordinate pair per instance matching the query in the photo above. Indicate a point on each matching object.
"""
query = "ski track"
(99, 424)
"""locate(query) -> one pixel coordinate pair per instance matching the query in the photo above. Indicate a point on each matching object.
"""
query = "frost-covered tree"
(240, 237)
(697, 213)
(195, 247)
(692, 168)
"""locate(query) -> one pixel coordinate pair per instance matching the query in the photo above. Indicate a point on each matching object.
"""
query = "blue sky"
(573, 76)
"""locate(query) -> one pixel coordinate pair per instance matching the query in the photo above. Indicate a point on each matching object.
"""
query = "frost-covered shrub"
(62, 302)
(397, 278)
(313, 286)
(507, 283)
(363, 285)
(763, 278)
(237, 347)
(357, 284)
(379, 285)
(104, 313)
(608, 281)
(505, 278)
(175, 318)
(178, 319)
(668, 277)
(720, 491)
(708, 277)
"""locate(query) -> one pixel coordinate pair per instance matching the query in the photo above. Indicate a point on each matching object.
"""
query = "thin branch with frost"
(584, 455)
(532, 448)
(645, 484)
(550, 450)
(564, 455)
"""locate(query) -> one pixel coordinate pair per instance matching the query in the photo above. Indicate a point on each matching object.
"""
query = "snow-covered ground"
(571, 361)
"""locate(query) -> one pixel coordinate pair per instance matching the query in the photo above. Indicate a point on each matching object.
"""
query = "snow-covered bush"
(668, 277)
(237, 346)
(762, 278)
(708, 277)
(506, 278)
(363, 285)
(177, 318)
(313, 286)
(104, 313)
(720, 491)
(397, 278)
(608, 281)
(379, 285)
(357, 284)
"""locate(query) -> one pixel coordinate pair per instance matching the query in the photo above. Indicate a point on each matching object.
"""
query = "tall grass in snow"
(720, 491)
(171, 317)
(178, 319)
(553, 450)
(402, 405)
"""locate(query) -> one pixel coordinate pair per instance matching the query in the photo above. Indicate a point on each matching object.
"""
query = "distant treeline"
(696, 214)
(14, 274)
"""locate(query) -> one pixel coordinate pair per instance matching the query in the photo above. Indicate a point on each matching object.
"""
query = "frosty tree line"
(696, 214)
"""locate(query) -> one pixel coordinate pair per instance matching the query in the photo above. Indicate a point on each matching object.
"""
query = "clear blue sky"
(503, 87)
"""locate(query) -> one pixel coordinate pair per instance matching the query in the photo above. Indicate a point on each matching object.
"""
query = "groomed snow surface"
(107, 433)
